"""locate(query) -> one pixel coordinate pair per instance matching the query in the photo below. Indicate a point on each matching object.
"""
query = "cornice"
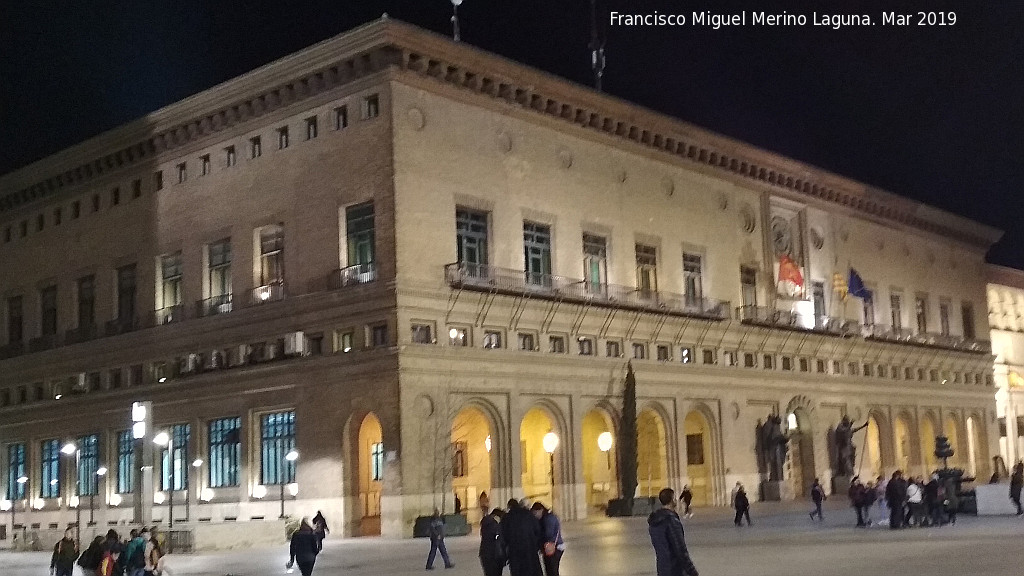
(1005, 276)
(388, 43)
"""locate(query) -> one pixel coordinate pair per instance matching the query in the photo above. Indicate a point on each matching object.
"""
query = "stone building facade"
(1006, 319)
(424, 268)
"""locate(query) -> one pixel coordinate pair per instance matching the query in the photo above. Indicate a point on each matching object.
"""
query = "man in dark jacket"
(437, 541)
(521, 532)
(896, 496)
(65, 552)
(1016, 484)
(667, 537)
(493, 553)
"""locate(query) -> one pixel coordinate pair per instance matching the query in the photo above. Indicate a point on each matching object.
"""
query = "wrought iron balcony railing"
(518, 282)
(352, 275)
(272, 292)
(169, 314)
(787, 319)
(220, 304)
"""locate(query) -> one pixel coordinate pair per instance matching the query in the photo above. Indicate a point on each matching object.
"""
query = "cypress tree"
(628, 457)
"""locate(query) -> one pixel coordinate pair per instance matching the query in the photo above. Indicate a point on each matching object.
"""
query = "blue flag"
(856, 286)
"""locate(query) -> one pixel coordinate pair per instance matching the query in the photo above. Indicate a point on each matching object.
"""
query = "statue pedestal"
(841, 485)
(775, 491)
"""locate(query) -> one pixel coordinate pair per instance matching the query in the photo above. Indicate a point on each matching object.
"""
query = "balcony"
(790, 320)
(929, 339)
(352, 275)
(122, 326)
(81, 334)
(481, 277)
(44, 342)
(220, 304)
(169, 314)
(272, 292)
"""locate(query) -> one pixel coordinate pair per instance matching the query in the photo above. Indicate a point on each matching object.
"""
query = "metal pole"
(455, 22)
(551, 456)
(281, 480)
(78, 494)
(170, 495)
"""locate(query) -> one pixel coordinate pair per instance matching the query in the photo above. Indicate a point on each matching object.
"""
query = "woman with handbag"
(552, 546)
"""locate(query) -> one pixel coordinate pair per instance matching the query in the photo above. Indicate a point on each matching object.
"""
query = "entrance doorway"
(800, 459)
(471, 460)
(698, 457)
(600, 469)
(652, 460)
(371, 474)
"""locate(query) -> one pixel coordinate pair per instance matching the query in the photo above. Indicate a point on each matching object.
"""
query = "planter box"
(454, 525)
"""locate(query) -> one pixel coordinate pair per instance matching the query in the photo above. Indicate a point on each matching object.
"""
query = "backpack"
(138, 557)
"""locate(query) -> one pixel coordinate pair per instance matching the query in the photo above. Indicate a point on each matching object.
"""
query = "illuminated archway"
(928, 434)
(904, 444)
(800, 470)
(472, 443)
(539, 468)
(371, 474)
(699, 457)
(873, 450)
(652, 460)
(600, 469)
(951, 429)
(974, 451)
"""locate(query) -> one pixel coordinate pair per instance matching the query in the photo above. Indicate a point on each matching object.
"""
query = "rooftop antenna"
(596, 47)
(455, 20)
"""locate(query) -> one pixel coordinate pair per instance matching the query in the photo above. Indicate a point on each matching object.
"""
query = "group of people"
(140, 555)
(907, 502)
(522, 536)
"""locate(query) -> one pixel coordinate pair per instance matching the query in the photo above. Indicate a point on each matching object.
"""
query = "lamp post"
(197, 464)
(550, 443)
(18, 491)
(100, 472)
(291, 456)
(165, 439)
(69, 449)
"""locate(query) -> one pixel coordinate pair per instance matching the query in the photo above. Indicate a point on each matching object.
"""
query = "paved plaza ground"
(782, 542)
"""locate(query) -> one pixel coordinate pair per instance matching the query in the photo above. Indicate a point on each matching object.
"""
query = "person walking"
(65, 552)
(91, 558)
(932, 504)
(437, 541)
(521, 532)
(883, 512)
(493, 551)
(1016, 483)
(108, 566)
(742, 505)
(135, 553)
(666, 530)
(687, 497)
(485, 504)
(303, 549)
(951, 501)
(915, 503)
(896, 495)
(154, 557)
(320, 529)
(817, 496)
(856, 495)
(551, 544)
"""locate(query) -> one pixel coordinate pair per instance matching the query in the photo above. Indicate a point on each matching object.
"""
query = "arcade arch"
(600, 466)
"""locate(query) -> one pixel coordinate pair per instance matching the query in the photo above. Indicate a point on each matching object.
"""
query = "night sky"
(932, 113)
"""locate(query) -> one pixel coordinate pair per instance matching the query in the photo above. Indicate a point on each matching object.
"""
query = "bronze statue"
(772, 446)
(846, 451)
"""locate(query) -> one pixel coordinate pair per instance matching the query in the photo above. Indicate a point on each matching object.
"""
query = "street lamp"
(69, 449)
(604, 443)
(19, 490)
(165, 439)
(550, 443)
(197, 464)
(100, 472)
(291, 456)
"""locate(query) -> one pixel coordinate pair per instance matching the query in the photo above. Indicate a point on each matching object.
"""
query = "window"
(908, 373)
(818, 297)
(944, 317)
(377, 461)
(170, 274)
(459, 452)
(311, 128)
(359, 231)
(527, 341)
(57, 216)
(709, 356)
(204, 163)
(271, 255)
(158, 181)
(219, 270)
(933, 375)
(17, 462)
(379, 335)
(88, 464)
(15, 320)
(852, 367)
(115, 196)
(686, 355)
(343, 341)
(136, 188)
(883, 371)
(422, 334)
(115, 377)
(277, 439)
(341, 117)
(868, 309)
(729, 358)
(613, 349)
(173, 458)
(126, 293)
(182, 172)
(595, 263)
(471, 241)
(135, 375)
(805, 365)
(537, 253)
(646, 270)
(664, 353)
(749, 360)
(49, 469)
(769, 362)
(458, 336)
(896, 310)
(492, 339)
(748, 286)
(40, 222)
(867, 370)
(921, 313)
(820, 366)
(48, 310)
(639, 351)
(282, 138)
(694, 449)
(693, 282)
(967, 313)
(371, 106)
(787, 363)
(556, 344)
(225, 442)
(86, 301)
(255, 147)
(586, 346)
(230, 158)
